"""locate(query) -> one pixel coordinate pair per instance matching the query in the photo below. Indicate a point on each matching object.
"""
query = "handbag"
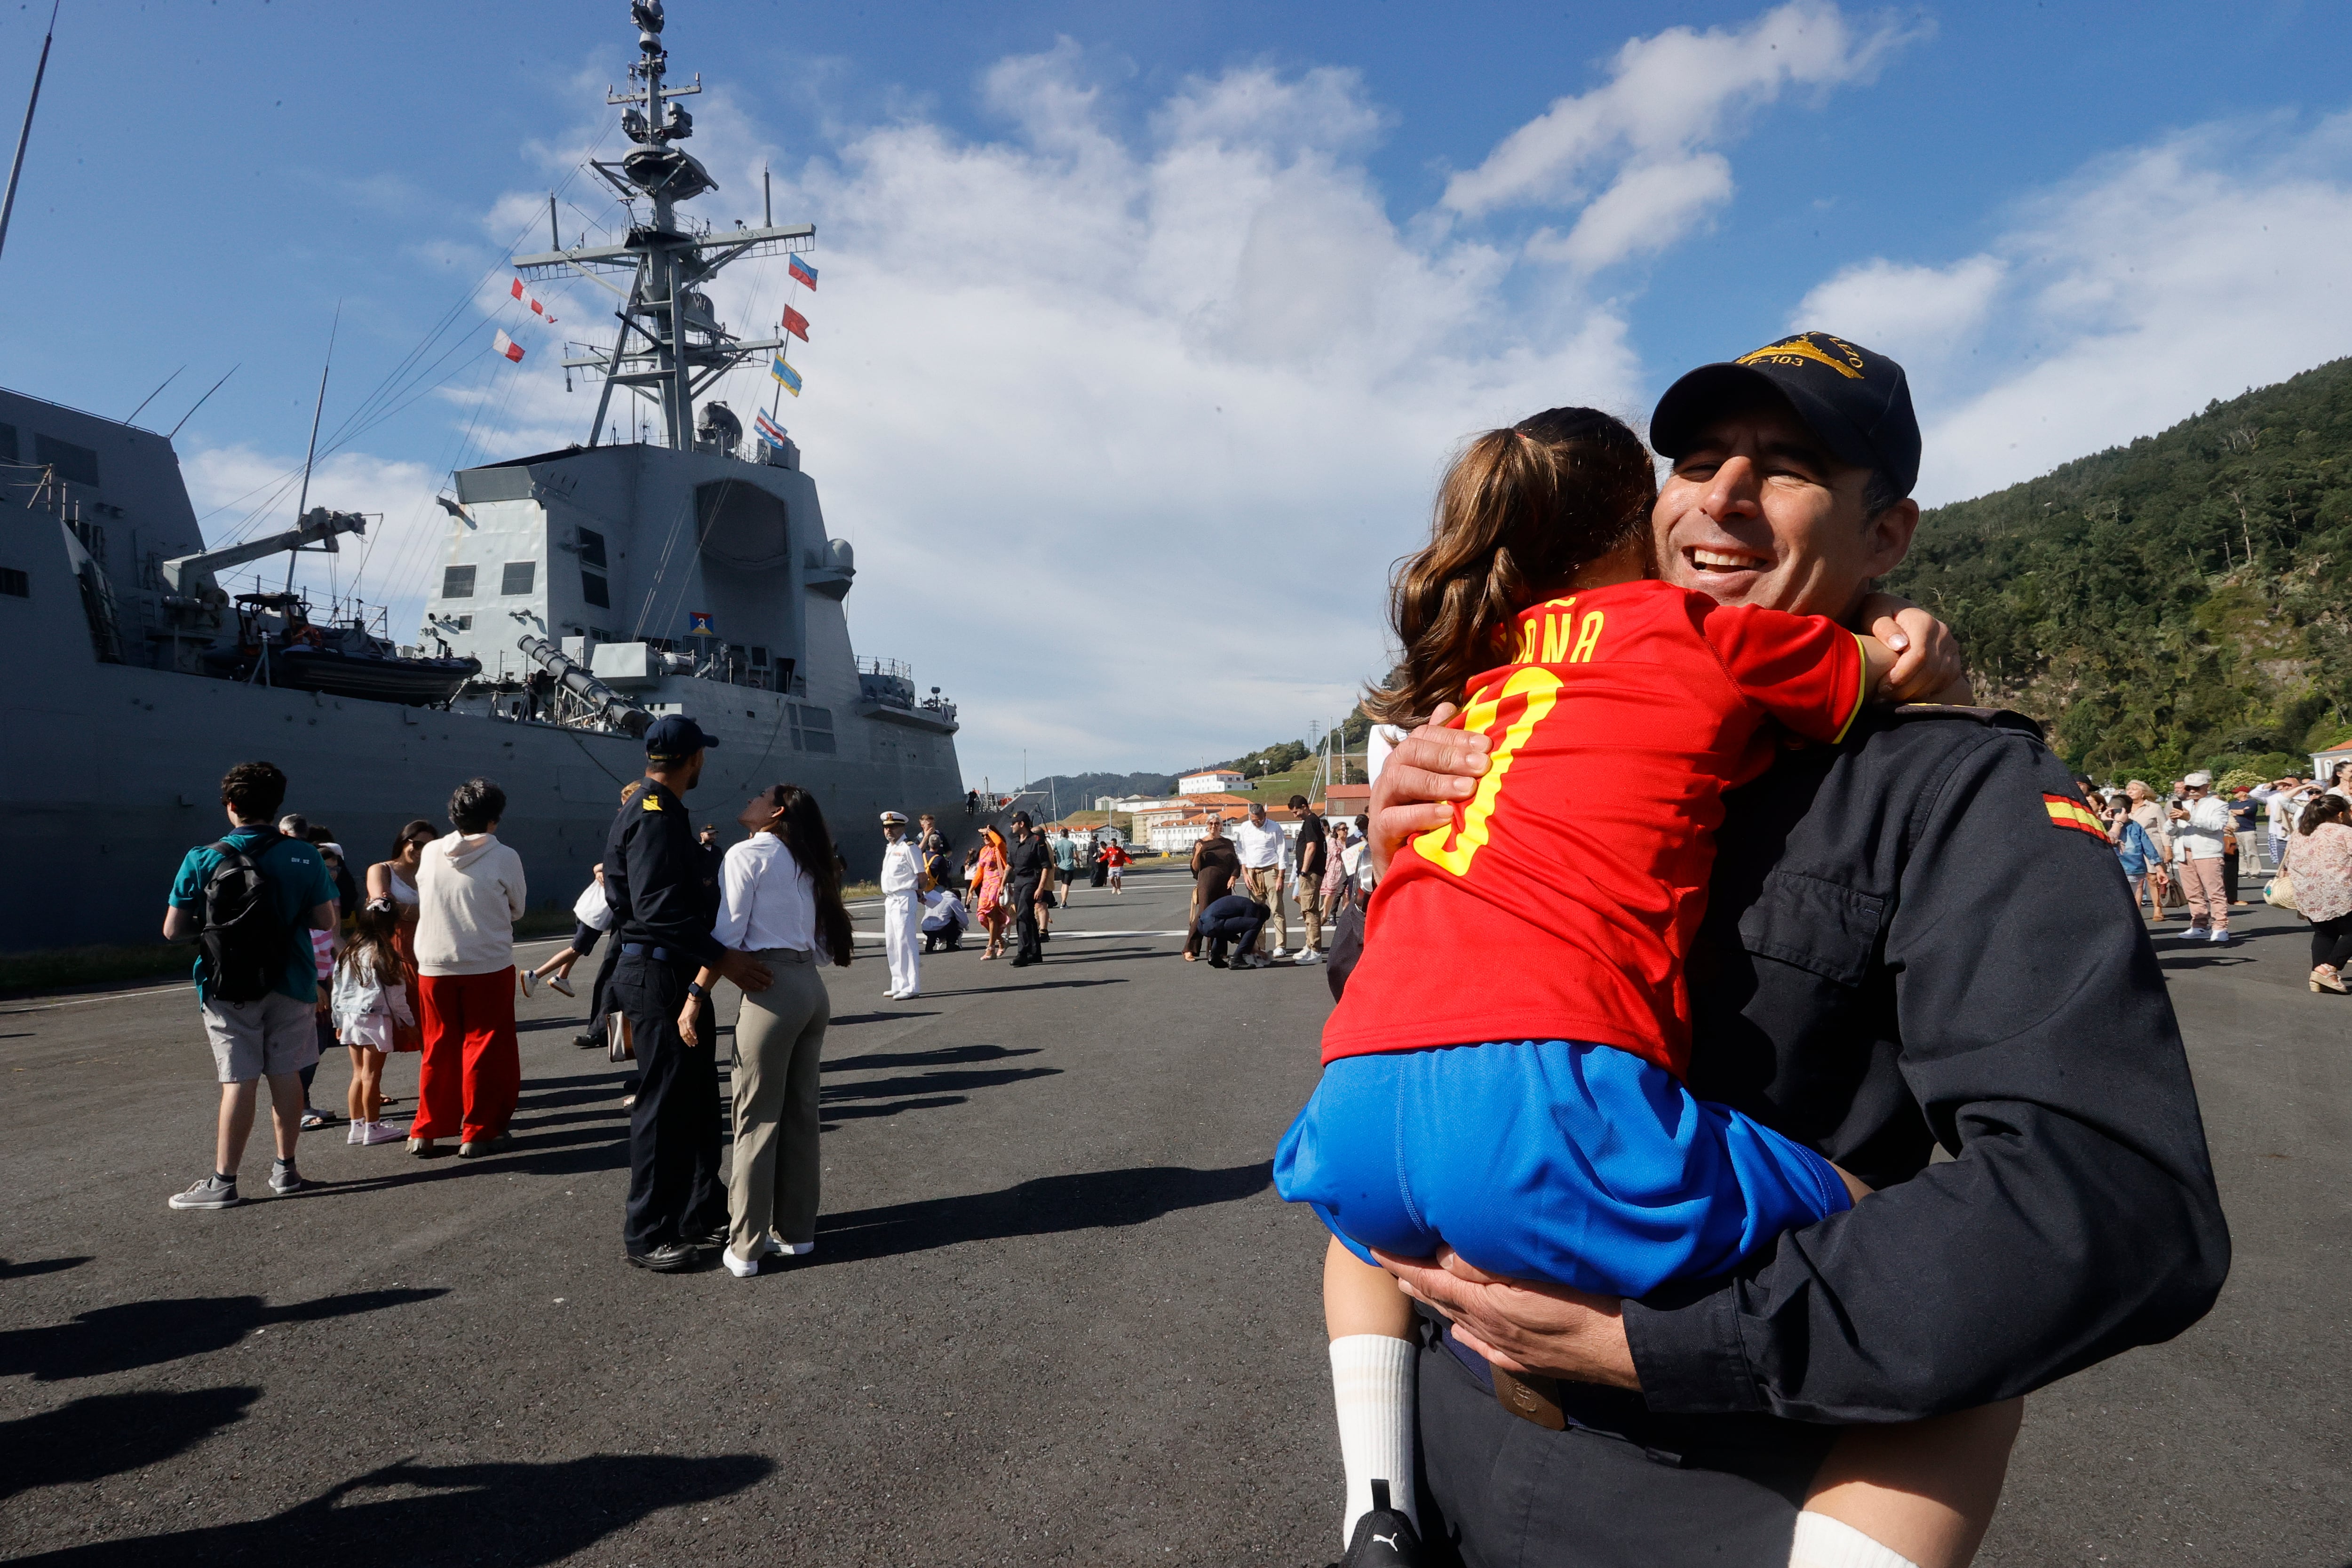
(618, 1046)
(2279, 891)
(1347, 943)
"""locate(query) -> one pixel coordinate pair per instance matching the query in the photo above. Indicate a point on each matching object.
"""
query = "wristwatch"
(695, 989)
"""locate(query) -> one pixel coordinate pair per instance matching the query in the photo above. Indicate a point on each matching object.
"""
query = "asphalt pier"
(1056, 1313)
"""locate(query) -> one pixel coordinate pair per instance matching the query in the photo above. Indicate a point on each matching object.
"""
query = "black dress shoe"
(587, 1042)
(676, 1257)
(715, 1238)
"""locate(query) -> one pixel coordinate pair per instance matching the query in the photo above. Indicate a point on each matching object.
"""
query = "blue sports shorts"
(1556, 1160)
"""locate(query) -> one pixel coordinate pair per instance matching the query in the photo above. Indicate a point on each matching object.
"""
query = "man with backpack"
(251, 900)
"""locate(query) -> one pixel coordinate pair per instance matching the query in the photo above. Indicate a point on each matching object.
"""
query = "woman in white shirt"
(395, 881)
(780, 901)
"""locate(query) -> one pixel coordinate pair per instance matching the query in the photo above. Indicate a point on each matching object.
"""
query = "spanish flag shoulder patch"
(2065, 811)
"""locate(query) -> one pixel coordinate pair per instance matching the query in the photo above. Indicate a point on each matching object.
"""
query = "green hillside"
(2183, 602)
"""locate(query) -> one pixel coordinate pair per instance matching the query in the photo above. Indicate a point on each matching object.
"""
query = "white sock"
(1825, 1542)
(1372, 1385)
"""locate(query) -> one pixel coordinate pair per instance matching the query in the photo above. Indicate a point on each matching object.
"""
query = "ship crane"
(191, 581)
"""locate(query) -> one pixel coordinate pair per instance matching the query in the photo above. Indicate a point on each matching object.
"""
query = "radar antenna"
(671, 346)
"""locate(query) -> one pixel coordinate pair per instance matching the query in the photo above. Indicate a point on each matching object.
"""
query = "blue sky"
(1168, 316)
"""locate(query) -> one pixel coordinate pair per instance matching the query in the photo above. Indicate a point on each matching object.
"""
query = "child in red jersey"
(1504, 1073)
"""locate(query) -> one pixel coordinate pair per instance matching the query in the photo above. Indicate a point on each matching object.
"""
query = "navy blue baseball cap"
(1857, 401)
(673, 737)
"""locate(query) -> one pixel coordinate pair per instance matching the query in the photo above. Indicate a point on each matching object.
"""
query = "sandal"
(2325, 979)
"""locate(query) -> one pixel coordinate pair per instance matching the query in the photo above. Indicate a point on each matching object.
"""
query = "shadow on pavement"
(946, 1055)
(514, 1515)
(1095, 1200)
(110, 1432)
(149, 1333)
(39, 1265)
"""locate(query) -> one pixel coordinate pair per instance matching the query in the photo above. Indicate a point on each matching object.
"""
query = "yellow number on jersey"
(1541, 687)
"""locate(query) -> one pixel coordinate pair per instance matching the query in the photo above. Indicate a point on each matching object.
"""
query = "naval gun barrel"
(610, 705)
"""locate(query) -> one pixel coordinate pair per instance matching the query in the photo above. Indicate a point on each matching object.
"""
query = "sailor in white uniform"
(902, 886)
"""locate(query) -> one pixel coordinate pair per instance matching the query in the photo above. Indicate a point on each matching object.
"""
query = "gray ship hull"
(115, 765)
(116, 773)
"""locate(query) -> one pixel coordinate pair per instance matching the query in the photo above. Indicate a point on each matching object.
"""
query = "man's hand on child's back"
(1428, 771)
(1927, 665)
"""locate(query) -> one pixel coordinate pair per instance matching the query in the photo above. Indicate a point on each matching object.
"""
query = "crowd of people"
(2193, 848)
(1239, 885)
(296, 955)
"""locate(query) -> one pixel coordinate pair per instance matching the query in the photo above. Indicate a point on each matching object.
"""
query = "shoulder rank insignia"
(2065, 811)
(651, 800)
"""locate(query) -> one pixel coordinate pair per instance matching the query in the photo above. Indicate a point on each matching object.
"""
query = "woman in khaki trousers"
(780, 901)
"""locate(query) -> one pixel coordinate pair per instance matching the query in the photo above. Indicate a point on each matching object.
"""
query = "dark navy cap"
(673, 737)
(1858, 403)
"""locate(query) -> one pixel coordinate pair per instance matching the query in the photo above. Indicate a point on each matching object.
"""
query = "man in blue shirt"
(271, 1036)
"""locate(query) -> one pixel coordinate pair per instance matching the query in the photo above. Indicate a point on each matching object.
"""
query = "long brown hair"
(372, 954)
(1518, 513)
(791, 814)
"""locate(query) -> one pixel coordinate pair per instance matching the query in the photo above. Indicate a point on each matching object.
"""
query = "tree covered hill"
(2183, 602)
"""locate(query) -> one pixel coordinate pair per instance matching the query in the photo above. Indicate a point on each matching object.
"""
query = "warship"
(582, 592)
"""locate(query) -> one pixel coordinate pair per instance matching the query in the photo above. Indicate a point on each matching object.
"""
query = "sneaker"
(741, 1268)
(285, 1179)
(212, 1193)
(421, 1147)
(358, 1132)
(561, 986)
(1309, 955)
(530, 979)
(1384, 1536)
(382, 1132)
(2220, 939)
(475, 1148)
(1279, 952)
(313, 1119)
(779, 1247)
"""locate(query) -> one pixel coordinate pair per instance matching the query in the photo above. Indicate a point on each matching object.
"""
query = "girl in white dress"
(370, 1001)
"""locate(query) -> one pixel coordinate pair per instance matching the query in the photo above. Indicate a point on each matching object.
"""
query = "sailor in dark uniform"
(664, 889)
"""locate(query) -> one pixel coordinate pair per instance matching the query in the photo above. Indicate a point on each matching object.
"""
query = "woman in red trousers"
(470, 889)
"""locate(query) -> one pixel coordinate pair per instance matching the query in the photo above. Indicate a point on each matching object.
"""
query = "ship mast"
(671, 346)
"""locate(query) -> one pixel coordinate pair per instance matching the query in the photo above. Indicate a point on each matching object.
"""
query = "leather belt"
(644, 950)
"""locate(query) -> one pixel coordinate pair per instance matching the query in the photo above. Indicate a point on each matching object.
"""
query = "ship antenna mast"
(17, 167)
(671, 347)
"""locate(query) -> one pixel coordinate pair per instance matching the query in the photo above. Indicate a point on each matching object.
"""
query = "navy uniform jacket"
(1028, 861)
(662, 885)
(1911, 942)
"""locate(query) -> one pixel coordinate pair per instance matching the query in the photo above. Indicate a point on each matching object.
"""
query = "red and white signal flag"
(508, 346)
(517, 290)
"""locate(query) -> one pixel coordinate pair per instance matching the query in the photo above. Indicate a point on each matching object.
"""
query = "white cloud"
(1915, 313)
(1642, 137)
(2119, 302)
(1648, 209)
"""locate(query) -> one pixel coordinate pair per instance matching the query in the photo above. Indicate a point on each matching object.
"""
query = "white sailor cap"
(897, 817)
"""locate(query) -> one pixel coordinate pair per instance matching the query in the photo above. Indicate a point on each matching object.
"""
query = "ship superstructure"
(581, 593)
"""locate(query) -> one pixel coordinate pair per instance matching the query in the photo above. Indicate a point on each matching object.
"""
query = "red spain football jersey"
(1561, 901)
